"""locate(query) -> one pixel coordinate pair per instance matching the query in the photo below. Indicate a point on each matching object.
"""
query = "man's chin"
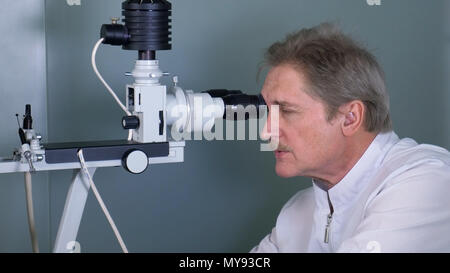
(282, 171)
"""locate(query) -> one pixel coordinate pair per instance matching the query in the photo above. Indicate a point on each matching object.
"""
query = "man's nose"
(272, 128)
(265, 133)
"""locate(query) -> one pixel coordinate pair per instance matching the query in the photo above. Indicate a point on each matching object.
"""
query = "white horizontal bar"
(176, 154)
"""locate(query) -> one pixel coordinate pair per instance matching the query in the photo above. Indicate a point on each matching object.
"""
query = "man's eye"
(286, 111)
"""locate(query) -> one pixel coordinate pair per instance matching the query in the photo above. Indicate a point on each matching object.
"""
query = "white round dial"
(136, 161)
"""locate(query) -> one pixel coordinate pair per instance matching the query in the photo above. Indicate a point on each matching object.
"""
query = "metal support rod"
(73, 211)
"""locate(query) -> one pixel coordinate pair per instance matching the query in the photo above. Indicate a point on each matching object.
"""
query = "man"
(371, 192)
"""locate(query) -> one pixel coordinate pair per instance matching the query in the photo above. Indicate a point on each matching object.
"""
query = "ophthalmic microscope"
(150, 107)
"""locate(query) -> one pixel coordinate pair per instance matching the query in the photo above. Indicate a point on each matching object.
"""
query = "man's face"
(308, 143)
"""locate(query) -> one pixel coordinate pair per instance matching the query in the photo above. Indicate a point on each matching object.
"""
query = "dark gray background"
(225, 197)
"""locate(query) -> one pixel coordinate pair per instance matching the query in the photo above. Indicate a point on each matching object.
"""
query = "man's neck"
(354, 150)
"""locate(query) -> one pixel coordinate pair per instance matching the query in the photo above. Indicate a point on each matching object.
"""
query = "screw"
(114, 20)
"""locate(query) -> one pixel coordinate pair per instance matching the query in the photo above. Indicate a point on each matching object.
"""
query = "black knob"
(130, 122)
(27, 119)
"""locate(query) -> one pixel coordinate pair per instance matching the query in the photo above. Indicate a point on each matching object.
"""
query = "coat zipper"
(329, 219)
(327, 228)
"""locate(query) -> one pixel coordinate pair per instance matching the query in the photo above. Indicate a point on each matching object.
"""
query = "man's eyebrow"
(285, 104)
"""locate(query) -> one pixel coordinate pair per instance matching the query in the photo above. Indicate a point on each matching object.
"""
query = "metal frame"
(79, 189)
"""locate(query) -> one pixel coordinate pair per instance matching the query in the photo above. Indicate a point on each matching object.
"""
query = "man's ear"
(354, 114)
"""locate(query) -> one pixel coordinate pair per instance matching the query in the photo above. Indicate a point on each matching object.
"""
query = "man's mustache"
(283, 148)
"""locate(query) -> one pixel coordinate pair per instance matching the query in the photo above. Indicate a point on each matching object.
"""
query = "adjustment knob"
(130, 122)
(135, 161)
(115, 20)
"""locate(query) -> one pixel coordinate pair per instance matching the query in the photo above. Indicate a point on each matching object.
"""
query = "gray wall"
(225, 197)
(22, 81)
(446, 72)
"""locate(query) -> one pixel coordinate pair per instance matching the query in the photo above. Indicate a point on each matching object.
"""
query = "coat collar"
(346, 192)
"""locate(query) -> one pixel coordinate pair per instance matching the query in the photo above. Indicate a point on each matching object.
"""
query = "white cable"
(30, 211)
(94, 66)
(100, 201)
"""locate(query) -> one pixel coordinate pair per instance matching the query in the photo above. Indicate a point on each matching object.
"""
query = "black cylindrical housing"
(114, 34)
(232, 103)
(148, 24)
(219, 93)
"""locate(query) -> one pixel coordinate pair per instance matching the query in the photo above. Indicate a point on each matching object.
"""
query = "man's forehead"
(288, 96)
(282, 97)
(283, 85)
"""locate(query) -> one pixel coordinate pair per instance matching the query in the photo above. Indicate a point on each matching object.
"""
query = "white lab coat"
(395, 199)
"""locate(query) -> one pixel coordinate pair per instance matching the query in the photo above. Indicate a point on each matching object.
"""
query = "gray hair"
(338, 70)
